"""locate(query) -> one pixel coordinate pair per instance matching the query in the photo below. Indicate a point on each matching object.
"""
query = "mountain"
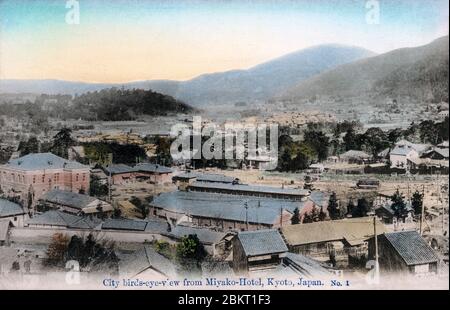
(420, 73)
(264, 80)
(257, 83)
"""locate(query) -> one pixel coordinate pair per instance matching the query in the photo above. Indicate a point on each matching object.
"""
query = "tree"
(190, 250)
(350, 140)
(295, 217)
(350, 207)
(322, 215)
(62, 141)
(96, 188)
(417, 202)
(56, 252)
(333, 207)
(28, 147)
(361, 208)
(319, 142)
(143, 208)
(398, 204)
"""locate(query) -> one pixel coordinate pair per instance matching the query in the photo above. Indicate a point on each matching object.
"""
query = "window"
(15, 219)
(34, 179)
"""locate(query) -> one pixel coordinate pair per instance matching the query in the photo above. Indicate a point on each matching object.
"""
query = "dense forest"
(115, 104)
(111, 104)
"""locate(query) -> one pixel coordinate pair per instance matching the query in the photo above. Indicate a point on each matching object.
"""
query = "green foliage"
(295, 217)
(361, 208)
(417, 202)
(62, 141)
(116, 104)
(142, 207)
(28, 147)
(333, 207)
(190, 248)
(319, 142)
(122, 154)
(96, 188)
(398, 204)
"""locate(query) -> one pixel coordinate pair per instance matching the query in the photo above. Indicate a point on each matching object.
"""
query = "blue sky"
(125, 40)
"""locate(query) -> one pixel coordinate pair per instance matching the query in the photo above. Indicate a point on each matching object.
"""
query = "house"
(145, 263)
(12, 212)
(214, 242)
(337, 241)
(435, 157)
(387, 215)
(404, 252)
(123, 174)
(251, 190)
(31, 176)
(56, 219)
(406, 155)
(355, 157)
(185, 179)
(224, 212)
(75, 203)
(255, 250)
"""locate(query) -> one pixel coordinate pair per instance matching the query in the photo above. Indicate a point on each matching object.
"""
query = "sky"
(130, 40)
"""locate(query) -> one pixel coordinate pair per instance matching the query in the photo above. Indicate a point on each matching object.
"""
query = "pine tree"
(417, 202)
(333, 207)
(398, 204)
(295, 217)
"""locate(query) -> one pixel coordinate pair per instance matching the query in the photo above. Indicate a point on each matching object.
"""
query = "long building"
(225, 212)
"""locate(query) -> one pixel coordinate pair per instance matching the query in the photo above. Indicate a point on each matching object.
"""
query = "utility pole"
(281, 216)
(423, 210)
(246, 214)
(377, 270)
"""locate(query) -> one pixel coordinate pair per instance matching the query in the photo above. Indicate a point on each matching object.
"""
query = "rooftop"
(353, 231)
(262, 242)
(142, 167)
(41, 161)
(355, 154)
(62, 219)
(8, 208)
(250, 189)
(411, 247)
(206, 177)
(222, 206)
(70, 199)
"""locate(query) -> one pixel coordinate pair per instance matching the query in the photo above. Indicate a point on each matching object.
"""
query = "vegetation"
(417, 202)
(99, 152)
(142, 207)
(62, 141)
(190, 253)
(333, 207)
(295, 217)
(361, 209)
(116, 104)
(398, 204)
(96, 188)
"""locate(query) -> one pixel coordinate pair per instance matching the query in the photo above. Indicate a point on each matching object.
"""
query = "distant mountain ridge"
(418, 72)
(257, 83)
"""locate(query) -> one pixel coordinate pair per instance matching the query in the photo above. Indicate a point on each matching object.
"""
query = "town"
(313, 217)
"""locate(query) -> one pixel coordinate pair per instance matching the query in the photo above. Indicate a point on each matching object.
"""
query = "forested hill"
(114, 104)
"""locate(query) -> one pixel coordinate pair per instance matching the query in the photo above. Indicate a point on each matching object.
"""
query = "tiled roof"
(70, 199)
(41, 161)
(228, 207)
(145, 258)
(118, 168)
(306, 266)
(146, 167)
(206, 236)
(411, 247)
(124, 224)
(4, 228)
(206, 177)
(8, 208)
(240, 188)
(262, 242)
(62, 219)
(347, 229)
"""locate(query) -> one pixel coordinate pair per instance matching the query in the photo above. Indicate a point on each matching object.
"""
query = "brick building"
(31, 176)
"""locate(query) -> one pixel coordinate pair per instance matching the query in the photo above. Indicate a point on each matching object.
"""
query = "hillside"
(119, 104)
(420, 73)
(257, 83)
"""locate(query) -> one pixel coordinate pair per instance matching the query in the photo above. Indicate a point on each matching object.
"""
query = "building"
(5, 225)
(56, 219)
(185, 179)
(75, 203)
(31, 176)
(224, 212)
(12, 212)
(256, 250)
(251, 190)
(435, 157)
(336, 241)
(123, 174)
(355, 157)
(405, 155)
(145, 263)
(404, 252)
(387, 215)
